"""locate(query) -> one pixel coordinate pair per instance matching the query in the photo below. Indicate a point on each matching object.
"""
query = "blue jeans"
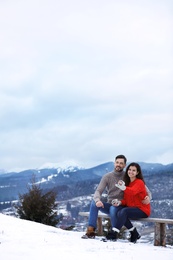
(125, 214)
(108, 209)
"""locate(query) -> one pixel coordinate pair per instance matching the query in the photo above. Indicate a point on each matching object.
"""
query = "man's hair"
(121, 156)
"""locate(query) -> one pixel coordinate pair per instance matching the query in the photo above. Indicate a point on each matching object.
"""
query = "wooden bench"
(159, 227)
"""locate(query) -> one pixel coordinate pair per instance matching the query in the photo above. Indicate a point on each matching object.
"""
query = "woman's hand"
(121, 185)
(116, 202)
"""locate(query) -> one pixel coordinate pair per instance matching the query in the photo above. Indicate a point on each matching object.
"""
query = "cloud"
(85, 81)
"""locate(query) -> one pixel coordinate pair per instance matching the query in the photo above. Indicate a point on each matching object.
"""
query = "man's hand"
(146, 200)
(121, 185)
(99, 204)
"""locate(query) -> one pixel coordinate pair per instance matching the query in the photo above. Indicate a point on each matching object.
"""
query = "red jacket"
(134, 194)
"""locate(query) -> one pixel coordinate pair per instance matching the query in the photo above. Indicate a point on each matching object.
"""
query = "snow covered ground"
(26, 240)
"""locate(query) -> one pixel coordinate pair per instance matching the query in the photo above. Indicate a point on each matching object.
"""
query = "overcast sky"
(83, 81)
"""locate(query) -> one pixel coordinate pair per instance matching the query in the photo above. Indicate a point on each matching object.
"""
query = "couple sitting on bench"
(128, 198)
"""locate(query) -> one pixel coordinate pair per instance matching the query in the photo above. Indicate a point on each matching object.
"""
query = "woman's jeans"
(108, 209)
(125, 214)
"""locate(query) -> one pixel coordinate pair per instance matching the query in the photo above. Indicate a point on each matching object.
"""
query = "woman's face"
(132, 172)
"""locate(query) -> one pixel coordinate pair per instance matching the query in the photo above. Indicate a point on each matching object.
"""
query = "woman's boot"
(134, 235)
(113, 236)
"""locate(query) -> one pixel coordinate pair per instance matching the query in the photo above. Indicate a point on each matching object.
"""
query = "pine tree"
(35, 205)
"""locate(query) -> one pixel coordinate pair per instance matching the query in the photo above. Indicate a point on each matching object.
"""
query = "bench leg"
(99, 226)
(160, 234)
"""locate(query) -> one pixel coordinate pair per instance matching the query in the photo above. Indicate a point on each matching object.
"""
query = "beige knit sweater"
(107, 183)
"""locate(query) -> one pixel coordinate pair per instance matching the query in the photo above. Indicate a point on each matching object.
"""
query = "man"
(108, 182)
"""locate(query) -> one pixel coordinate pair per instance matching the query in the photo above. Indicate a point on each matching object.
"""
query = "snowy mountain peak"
(62, 166)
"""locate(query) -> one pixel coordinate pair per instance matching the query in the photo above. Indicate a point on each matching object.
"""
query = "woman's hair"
(139, 175)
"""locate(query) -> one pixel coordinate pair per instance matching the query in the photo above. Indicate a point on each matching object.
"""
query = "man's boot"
(90, 233)
(134, 236)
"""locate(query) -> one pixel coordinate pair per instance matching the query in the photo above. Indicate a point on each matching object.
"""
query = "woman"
(134, 192)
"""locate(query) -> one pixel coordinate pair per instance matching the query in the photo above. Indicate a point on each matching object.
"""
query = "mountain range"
(73, 181)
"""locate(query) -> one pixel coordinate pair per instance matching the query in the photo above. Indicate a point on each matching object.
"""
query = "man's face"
(119, 165)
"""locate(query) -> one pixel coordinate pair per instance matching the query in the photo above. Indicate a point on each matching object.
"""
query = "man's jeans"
(108, 209)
